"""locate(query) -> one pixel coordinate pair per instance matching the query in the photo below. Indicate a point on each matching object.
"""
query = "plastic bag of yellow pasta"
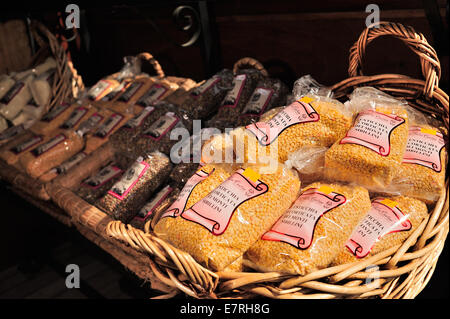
(388, 223)
(371, 151)
(311, 233)
(422, 172)
(312, 120)
(224, 222)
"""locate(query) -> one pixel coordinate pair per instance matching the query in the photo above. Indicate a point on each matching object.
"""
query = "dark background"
(291, 38)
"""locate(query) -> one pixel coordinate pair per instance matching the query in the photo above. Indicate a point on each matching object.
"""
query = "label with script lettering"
(132, 175)
(296, 226)
(138, 119)
(384, 217)
(424, 148)
(373, 130)
(258, 102)
(215, 210)
(22, 147)
(198, 91)
(300, 111)
(179, 205)
(103, 176)
(43, 148)
(161, 126)
(232, 97)
(152, 95)
(148, 209)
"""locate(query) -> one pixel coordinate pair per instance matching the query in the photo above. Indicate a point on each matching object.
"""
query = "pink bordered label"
(22, 147)
(132, 175)
(232, 97)
(383, 218)
(296, 113)
(424, 148)
(179, 205)
(137, 120)
(102, 177)
(111, 123)
(43, 148)
(215, 210)
(161, 126)
(75, 117)
(296, 226)
(55, 112)
(149, 208)
(12, 92)
(258, 102)
(91, 122)
(200, 90)
(154, 94)
(373, 130)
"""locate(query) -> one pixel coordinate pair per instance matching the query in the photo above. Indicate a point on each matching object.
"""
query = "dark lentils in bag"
(133, 189)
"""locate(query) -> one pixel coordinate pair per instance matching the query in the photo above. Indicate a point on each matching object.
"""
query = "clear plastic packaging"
(371, 151)
(6, 82)
(311, 233)
(307, 85)
(389, 222)
(203, 100)
(423, 169)
(244, 83)
(309, 162)
(16, 98)
(221, 224)
(158, 91)
(137, 183)
(62, 168)
(310, 121)
(41, 88)
(268, 93)
(132, 92)
(54, 118)
(52, 152)
(94, 187)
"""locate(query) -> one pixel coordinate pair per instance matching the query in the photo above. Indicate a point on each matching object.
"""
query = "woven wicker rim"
(249, 62)
(145, 56)
(404, 270)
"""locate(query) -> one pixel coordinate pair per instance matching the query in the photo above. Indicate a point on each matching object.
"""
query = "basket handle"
(431, 67)
(145, 56)
(249, 62)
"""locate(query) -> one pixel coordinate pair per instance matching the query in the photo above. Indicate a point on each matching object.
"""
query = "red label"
(75, 117)
(373, 130)
(152, 95)
(179, 205)
(55, 112)
(296, 226)
(22, 147)
(43, 148)
(382, 219)
(102, 177)
(258, 102)
(161, 126)
(215, 210)
(424, 148)
(296, 113)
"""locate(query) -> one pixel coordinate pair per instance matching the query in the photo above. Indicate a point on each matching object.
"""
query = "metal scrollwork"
(187, 18)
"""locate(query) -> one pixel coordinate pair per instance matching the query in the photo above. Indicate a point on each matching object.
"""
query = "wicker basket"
(404, 270)
(66, 82)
